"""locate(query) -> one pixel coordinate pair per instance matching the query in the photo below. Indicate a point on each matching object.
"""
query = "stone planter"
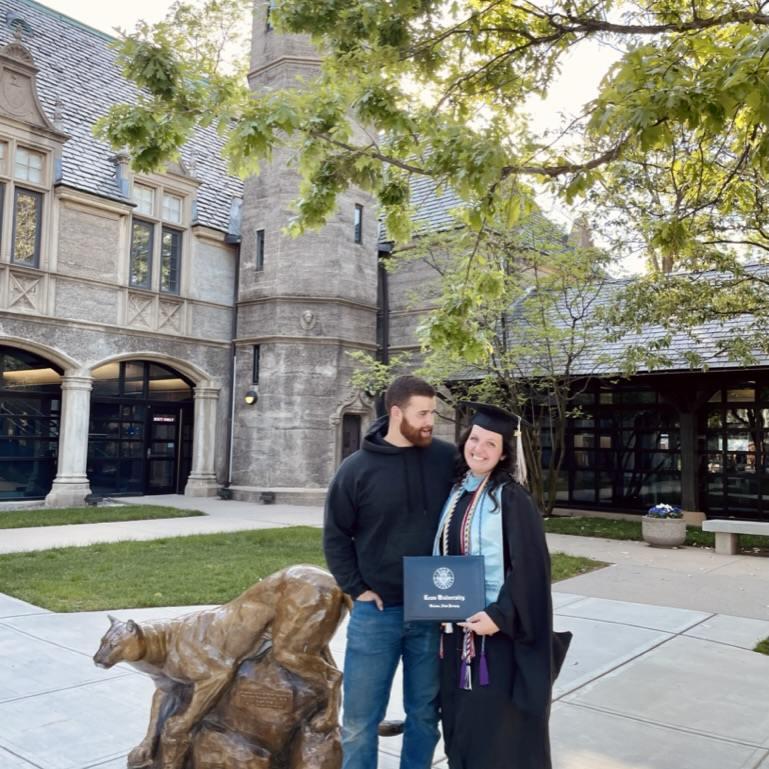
(663, 532)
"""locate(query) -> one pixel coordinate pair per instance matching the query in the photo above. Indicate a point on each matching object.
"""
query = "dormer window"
(157, 239)
(145, 199)
(28, 166)
(27, 214)
(23, 184)
(172, 208)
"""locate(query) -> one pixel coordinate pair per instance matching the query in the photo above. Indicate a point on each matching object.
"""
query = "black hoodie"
(383, 503)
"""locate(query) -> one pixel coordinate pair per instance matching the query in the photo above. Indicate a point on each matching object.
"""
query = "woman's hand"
(480, 623)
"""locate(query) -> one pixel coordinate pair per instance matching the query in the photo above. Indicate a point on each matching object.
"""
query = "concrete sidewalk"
(660, 674)
(220, 516)
(646, 687)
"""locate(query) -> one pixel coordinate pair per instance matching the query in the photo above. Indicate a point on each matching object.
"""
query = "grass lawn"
(610, 529)
(19, 519)
(762, 646)
(564, 566)
(203, 569)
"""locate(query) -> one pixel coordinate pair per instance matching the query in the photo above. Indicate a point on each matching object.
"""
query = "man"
(384, 503)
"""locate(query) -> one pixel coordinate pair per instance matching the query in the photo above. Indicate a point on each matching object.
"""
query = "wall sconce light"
(252, 395)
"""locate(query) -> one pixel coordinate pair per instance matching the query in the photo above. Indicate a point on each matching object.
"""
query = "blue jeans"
(376, 640)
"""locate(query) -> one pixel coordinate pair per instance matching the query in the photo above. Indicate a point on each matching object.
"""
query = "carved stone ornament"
(308, 320)
(247, 685)
(18, 89)
(353, 402)
(170, 316)
(24, 293)
(140, 311)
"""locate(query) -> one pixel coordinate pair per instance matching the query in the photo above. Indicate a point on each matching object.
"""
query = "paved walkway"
(660, 674)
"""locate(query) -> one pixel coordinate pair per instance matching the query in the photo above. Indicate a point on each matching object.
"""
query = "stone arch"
(62, 360)
(31, 413)
(194, 373)
(355, 402)
(206, 391)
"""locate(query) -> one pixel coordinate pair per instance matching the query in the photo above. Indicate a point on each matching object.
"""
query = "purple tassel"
(483, 667)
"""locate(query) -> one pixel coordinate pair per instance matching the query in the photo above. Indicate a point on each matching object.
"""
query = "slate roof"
(432, 208)
(78, 68)
(706, 339)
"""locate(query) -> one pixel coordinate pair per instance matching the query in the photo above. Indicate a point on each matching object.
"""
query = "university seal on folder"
(442, 588)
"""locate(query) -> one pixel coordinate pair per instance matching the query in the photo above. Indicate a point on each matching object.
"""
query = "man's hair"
(402, 388)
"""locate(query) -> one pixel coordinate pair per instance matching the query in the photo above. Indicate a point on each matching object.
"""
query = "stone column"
(202, 480)
(71, 487)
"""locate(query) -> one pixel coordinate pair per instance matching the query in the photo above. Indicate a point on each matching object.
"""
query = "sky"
(577, 84)
(105, 15)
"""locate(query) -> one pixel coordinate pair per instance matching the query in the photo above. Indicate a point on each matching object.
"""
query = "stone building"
(159, 333)
(303, 303)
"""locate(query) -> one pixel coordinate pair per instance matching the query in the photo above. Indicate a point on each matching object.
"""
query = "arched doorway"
(141, 429)
(351, 434)
(30, 405)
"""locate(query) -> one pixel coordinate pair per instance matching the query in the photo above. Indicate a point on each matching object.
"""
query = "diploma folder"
(442, 588)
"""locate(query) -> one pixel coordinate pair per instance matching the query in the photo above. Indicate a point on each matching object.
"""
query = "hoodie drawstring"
(422, 484)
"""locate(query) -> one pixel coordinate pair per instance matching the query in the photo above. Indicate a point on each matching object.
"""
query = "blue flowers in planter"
(662, 510)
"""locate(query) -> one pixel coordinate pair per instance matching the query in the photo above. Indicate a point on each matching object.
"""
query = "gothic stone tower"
(303, 303)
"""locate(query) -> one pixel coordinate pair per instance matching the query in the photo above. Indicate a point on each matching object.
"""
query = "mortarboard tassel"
(483, 667)
(519, 474)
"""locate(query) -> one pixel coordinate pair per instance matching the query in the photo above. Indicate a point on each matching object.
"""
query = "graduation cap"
(505, 423)
(493, 418)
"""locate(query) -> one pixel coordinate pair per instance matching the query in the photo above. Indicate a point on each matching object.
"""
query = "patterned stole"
(468, 639)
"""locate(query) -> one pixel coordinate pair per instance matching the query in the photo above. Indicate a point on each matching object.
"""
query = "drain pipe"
(233, 237)
(383, 300)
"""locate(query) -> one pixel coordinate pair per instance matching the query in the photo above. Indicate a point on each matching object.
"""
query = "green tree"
(672, 152)
(513, 323)
(441, 87)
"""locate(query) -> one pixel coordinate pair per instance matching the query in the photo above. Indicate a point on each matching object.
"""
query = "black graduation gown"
(505, 725)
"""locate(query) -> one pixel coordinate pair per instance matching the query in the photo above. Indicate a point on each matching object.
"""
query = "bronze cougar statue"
(285, 620)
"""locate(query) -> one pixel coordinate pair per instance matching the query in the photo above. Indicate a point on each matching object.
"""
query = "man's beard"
(414, 434)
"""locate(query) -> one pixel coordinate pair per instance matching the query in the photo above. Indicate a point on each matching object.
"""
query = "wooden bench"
(726, 531)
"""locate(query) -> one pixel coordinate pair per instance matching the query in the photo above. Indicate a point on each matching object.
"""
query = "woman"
(497, 668)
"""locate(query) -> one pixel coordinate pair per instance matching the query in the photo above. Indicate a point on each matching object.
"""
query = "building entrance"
(30, 402)
(141, 430)
(351, 430)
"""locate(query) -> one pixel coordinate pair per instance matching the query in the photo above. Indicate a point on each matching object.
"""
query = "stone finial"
(580, 235)
(57, 115)
(19, 25)
(190, 165)
(121, 161)
(233, 227)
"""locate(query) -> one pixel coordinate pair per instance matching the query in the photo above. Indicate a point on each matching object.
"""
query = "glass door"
(141, 433)
(162, 449)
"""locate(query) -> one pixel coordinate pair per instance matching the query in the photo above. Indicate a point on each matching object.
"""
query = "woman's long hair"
(502, 473)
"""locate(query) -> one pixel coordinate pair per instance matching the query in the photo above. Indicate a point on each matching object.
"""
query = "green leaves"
(440, 89)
